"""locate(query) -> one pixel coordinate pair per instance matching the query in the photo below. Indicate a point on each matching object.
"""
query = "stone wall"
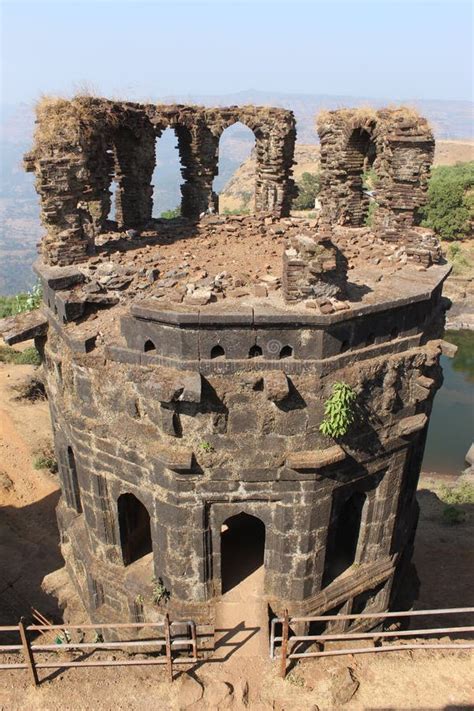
(82, 144)
(396, 144)
(198, 437)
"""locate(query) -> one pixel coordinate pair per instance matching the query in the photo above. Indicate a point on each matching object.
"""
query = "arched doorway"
(135, 531)
(167, 177)
(242, 549)
(343, 537)
(360, 157)
(236, 148)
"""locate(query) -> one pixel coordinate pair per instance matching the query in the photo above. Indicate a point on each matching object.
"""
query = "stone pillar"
(407, 150)
(134, 147)
(198, 149)
(274, 186)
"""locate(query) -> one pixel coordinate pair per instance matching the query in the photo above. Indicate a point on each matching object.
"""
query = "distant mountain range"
(20, 228)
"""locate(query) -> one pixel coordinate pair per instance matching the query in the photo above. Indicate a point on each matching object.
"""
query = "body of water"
(451, 429)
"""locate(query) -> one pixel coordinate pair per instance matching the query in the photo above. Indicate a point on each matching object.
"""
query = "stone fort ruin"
(186, 404)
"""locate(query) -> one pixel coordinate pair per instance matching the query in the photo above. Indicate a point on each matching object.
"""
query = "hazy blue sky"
(146, 49)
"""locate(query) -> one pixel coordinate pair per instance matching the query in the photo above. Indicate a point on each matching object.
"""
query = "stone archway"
(135, 530)
(242, 549)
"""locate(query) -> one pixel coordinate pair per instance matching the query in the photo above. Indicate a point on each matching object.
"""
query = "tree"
(308, 188)
(450, 207)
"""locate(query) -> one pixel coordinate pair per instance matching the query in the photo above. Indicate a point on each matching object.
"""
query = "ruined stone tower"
(187, 404)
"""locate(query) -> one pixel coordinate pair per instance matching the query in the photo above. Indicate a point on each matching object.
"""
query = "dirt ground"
(239, 675)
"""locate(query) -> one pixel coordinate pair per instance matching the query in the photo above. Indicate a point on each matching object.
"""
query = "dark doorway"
(242, 548)
(343, 537)
(135, 532)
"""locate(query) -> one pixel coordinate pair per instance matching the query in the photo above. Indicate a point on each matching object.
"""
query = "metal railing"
(289, 640)
(166, 641)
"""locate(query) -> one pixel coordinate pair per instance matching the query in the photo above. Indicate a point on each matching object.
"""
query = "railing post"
(284, 644)
(194, 641)
(29, 658)
(169, 659)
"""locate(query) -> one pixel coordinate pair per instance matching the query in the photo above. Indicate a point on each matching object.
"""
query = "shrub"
(339, 410)
(46, 460)
(159, 591)
(308, 189)
(171, 214)
(461, 494)
(450, 207)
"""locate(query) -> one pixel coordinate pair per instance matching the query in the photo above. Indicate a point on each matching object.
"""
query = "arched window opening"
(255, 352)
(168, 176)
(74, 498)
(217, 352)
(135, 531)
(237, 160)
(286, 352)
(149, 346)
(360, 157)
(343, 537)
(242, 549)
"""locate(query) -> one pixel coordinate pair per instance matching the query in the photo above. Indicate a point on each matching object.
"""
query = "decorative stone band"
(316, 459)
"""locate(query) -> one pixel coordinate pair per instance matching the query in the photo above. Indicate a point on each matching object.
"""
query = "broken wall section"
(83, 144)
(394, 146)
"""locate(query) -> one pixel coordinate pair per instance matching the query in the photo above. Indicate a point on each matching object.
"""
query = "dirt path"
(28, 533)
(242, 618)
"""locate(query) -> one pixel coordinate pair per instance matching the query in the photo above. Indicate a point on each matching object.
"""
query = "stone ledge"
(178, 460)
(316, 459)
(410, 425)
(23, 327)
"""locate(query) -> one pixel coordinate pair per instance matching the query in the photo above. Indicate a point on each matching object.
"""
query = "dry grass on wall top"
(69, 120)
(364, 115)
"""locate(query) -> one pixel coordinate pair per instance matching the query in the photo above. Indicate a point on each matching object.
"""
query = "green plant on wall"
(159, 591)
(339, 410)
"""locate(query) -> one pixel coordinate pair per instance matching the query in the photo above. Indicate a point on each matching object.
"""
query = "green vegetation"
(45, 459)
(369, 179)
(206, 447)
(463, 361)
(454, 497)
(159, 591)
(369, 218)
(450, 207)
(308, 189)
(460, 494)
(29, 356)
(339, 410)
(171, 214)
(25, 301)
